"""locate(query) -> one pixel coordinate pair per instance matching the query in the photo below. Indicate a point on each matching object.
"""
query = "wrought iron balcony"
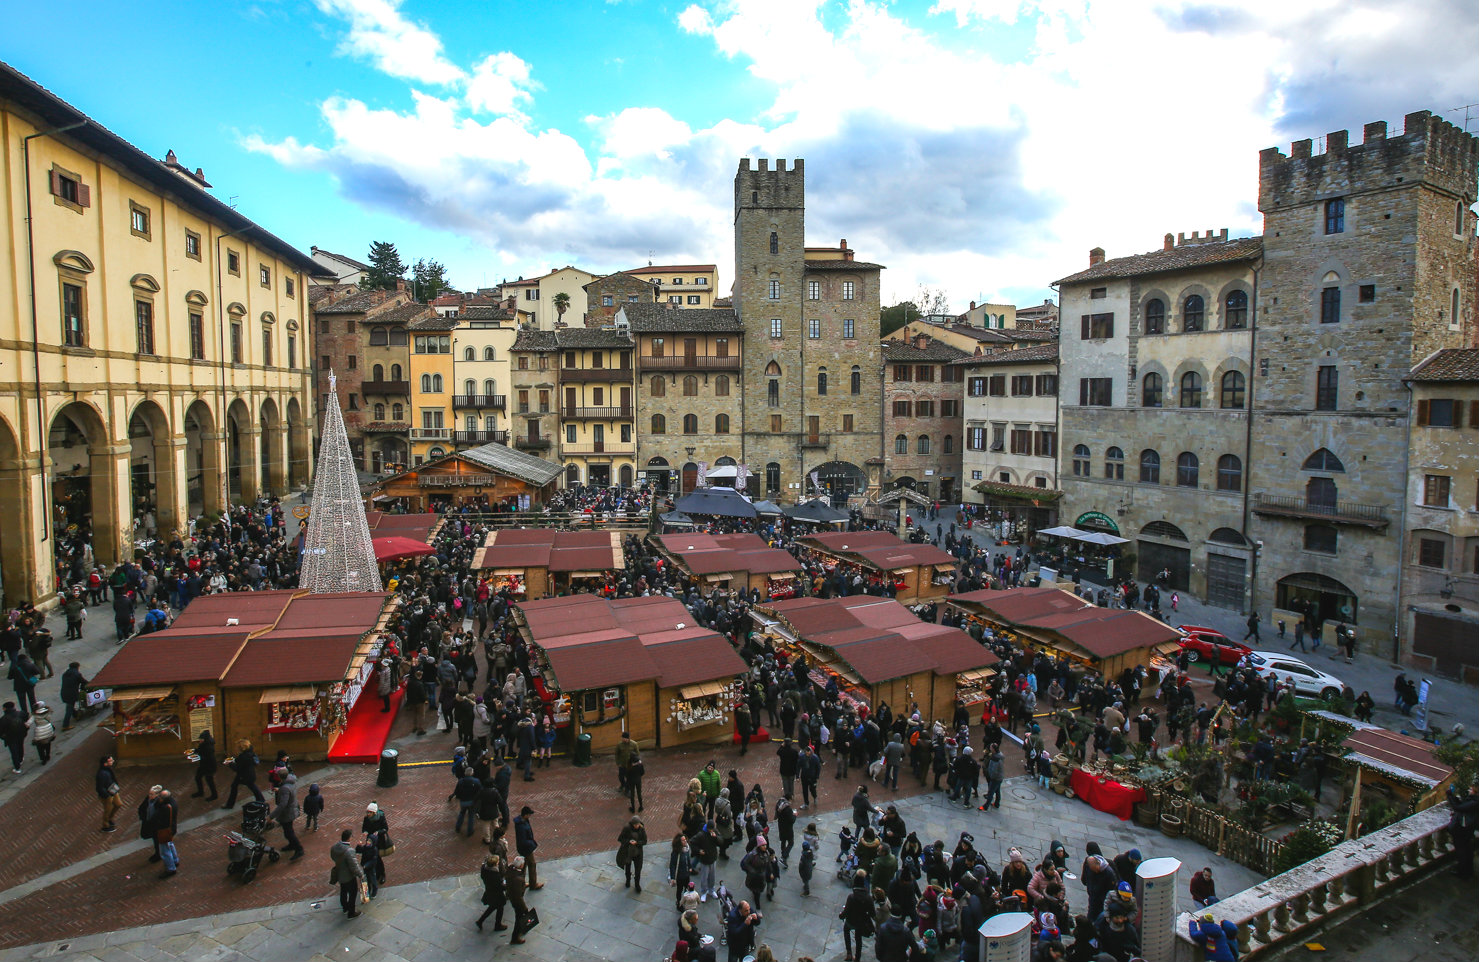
(431, 434)
(387, 427)
(526, 443)
(600, 447)
(495, 402)
(597, 413)
(1337, 512)
(686, 362)
(615, 375)
(480, 437)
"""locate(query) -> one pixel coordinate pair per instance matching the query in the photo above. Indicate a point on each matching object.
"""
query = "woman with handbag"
(377, 830)
(495, 896)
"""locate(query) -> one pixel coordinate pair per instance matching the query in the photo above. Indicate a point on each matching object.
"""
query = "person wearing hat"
(810, 844)
(631, 843)
(1015, 875)
(1115, 932)
(525, 844)
(1218, 940)
(43, 732)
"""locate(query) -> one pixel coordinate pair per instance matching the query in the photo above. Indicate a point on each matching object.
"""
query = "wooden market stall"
(1059, 622)
(742, 562)
(282, 669)
(631, 664)
(534, 563)
(878, 651)
(1392, 766)
(491, 474)
(919, 572)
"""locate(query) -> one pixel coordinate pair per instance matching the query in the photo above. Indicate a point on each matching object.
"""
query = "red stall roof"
(877, 549)
(559, 551)
(706, 554)
(170, 657)
(1102, 632)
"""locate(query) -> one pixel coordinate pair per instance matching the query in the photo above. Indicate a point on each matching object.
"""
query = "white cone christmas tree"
(337, 554)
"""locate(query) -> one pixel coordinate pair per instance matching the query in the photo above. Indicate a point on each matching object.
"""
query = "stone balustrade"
(1287, 907)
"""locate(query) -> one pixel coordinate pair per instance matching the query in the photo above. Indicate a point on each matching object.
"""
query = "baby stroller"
(245, 849)
(847, 859)
(726, 904)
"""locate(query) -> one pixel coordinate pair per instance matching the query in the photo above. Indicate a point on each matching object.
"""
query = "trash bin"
(390, 774)
(583, 750)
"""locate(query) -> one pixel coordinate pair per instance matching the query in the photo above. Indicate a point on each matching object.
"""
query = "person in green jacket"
(709, 779)
(885, 867)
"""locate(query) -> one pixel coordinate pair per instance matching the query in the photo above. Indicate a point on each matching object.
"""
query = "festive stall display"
(146, 711)
(917, 572)
(536, 563)
(741, 562)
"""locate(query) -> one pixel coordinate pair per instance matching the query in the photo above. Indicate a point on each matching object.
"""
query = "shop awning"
(271, 696)
(143, 694)
(722, 576)
(508, 572)
(704, 690)
(980, 674)
(395, 547)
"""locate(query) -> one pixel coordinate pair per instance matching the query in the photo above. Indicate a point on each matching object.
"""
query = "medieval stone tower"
(1368, 251)
(812, 362)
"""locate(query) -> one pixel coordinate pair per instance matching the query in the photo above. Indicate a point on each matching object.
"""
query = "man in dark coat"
(205, 768)
(72, 684)
(893, 942)
(810, 770)
(348, 873)
(525, 844)
(492, 808)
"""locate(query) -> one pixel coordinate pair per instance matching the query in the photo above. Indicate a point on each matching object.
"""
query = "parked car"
(1199, 642)
(1306, 679)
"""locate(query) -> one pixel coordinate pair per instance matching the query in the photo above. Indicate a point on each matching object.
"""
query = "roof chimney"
(1096, 256)
(843, 244)
(920, 340)
(973, 305)
(1170, 243)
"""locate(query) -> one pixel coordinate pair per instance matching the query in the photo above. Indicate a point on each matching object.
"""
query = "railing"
(1372, 515)
(814, 441)
(613, 374)
(554, 519)
(1285, 909)
(527, 443)
(1213, 831)
(431, 434)
(683, 362)
(480, 437)
(495, 401)
(600, 414)
(603, 447)
(385, 387)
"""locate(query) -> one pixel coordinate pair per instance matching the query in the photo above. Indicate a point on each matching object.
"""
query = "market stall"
(534, 563)
(282, 669)
(919, 573)
(741, 562)
(631, 664)
(490, 474)
(876, 651)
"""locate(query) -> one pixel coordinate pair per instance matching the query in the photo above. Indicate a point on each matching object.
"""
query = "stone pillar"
(112, 512)
(276, 467)
(21, 487)
(171, 509)
(212, 478)
(1006, 937)
(248, 468)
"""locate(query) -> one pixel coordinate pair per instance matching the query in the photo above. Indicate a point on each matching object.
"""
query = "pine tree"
(386, 267)
(338, 555)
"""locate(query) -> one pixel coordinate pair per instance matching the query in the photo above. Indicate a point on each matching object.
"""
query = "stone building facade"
(1010, 436)
(534, 383)
(690, 394)
(922, 423)
(812, 360)
(606, 295)
(1156, 351)
(1367, 250)
(1440, 572)
(687, 286)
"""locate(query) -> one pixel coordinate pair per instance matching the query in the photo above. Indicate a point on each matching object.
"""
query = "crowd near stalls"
(638, 666)
(281, 668)
(866, 652)
(912, 573)
(536, 563)
(736, 562)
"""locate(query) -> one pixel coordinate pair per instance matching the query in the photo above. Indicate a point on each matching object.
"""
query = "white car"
(1307, 680)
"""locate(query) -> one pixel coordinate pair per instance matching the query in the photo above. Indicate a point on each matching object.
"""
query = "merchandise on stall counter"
(146, 712)
(292, 709)
(705, 704)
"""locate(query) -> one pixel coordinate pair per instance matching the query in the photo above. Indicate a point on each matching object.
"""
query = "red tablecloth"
(1107, 795)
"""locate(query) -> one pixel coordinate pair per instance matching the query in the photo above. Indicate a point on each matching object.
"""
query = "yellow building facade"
(682, 285)
(155, 343)
(481, 350)
(596, 440)
(432, 383)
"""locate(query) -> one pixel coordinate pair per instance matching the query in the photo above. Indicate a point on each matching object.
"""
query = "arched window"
(1191, 390)
(377, 373)
(721, 386)
(1193, 312)
(1150, 467)
(1235, 310)
(775, 243)
(922, 446)
(397, 412)
(1188, 470)
(901, 445)
(772, 476)
(1114, 464)
(1229, 473)
(395, 372)
(1323, 460)
(490, 387)
(1081, 460)
(822, 381)
(426, 384)
(469, 386)
(1459, 210)
(857, 380)
(1233, 389)
(379, 336)
(690, 424)
(721, 424)
(690, 386)
(659, 424)
(436, 384)
(1155, 316)
(489, 354)
(772, 369)
(469, 354)
(1152, 390)
(658, 387)
(380, 412)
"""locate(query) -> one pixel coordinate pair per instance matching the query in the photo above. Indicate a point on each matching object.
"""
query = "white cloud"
(982, 149)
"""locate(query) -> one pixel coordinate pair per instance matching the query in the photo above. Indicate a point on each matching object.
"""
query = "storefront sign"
(1097, 519)
(200, 722)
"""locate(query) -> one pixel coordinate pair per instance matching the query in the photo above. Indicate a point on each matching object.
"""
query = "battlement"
(763, 186)
(1197, 237)
(1428, 151)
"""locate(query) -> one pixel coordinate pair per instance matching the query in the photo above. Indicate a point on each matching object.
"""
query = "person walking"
(466, 791)
(513, 880)
(72, 684)
(495, 895)
(13, 728)
(789, 758)
(857, 918)
(285, 812)
(525, 844)
(630, 846)
(492, 809)
(244, 764)
(810, 773)
(205, 766)
(1463, 819)
(348, 874)
(43, 732)
(1253, 623)
(105, 783)
(623, 758)
(636, 768)
(163, 820)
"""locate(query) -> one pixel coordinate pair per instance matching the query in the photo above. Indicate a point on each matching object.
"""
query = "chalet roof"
(514, 463)
(1180, 258)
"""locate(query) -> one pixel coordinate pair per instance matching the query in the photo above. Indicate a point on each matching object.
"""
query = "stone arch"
(841, 479)
(1329, 273)
(153, 471)
(203, 476)
(1165, 530)
(1227, 536)
(272, 461)
(298, 445)
(241, 452)
(82, 471)
(1177, 307)
(196, 298)
(1236, 284)
(16, 558)
(1153, 294)
(73, 260)
(144, 282)
(1173, 385)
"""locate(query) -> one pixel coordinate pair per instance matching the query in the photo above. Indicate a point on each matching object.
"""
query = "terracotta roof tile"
(1032, 354)
(575, 338)
(933, 350)
(536, 341)
(358, 303)
(860, 266)
(1182, 258)
(660, 317)
(1450, 364)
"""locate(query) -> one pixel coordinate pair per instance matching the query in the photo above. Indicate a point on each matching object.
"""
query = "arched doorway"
(1164, 547)
(624, 476)
(690, 477)
(572, 475)
(241, 453)
(81, 473)
(1319, 598)
(17, 573)
(151, 473)
(1227, 568)
(841, 480)
(657, 474)
(298, 457)
(202, 460)
(274, 475)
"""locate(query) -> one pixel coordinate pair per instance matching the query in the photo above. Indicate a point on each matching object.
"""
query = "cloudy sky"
(976, 146)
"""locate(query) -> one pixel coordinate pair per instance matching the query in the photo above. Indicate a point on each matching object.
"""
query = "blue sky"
(979, 147)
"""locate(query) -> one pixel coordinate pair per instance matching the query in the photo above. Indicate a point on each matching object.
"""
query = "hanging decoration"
(338, 555)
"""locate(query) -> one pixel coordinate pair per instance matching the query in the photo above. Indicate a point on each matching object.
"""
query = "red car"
(1199, 642)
